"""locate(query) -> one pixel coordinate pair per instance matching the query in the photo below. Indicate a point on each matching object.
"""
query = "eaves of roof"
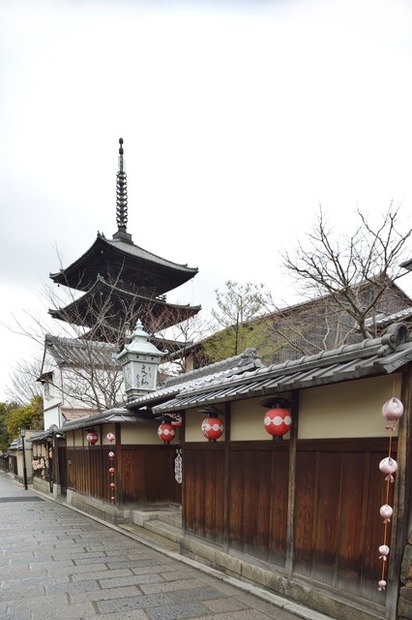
(131, 256)
(114, 415)
(81, 311)
(371, 357)
(74, 352)
(386, 319)
(48, 433)
(233, 366)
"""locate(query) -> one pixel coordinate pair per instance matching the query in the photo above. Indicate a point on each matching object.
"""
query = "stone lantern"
(139, 360)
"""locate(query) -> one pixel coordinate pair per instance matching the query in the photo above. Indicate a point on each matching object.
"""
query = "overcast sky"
(238, 120)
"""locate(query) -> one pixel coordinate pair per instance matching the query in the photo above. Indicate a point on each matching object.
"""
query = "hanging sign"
(179, 467)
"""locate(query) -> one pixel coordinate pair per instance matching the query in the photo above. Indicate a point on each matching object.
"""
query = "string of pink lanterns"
(392, 411)
(112, 485)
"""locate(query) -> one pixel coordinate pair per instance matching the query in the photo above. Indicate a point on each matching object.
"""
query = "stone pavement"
(58, 563)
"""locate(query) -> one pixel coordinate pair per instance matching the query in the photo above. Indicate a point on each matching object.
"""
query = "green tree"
(238, 308)
(5, 409)
(29, 417)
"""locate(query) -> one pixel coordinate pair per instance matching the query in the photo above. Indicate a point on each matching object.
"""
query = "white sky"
(238, 119)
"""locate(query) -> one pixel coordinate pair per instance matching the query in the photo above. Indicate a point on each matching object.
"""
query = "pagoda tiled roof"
(84, 312)
(127, 263)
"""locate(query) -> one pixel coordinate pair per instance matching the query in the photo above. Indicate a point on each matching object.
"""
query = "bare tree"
(353, 272)
(92, 328)
(187, 352)
(24, 384)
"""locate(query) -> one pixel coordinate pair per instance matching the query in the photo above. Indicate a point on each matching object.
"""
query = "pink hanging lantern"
(92, 438)
(166, 432)
(392, 410)
(110, 437)
(386, 512)
(381, 585)
(388, 466)
(384, 551)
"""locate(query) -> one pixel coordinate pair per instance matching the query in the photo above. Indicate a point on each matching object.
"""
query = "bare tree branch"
(343, 267)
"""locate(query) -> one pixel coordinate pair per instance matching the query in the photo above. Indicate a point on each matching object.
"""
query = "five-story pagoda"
(122, 283)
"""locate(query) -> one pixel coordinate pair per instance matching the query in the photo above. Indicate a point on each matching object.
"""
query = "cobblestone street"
(58, 563)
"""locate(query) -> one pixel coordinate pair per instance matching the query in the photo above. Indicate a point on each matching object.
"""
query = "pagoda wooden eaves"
(125, 263)
(113, 306)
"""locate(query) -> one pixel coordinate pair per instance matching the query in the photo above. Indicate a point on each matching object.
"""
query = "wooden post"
(292, 484)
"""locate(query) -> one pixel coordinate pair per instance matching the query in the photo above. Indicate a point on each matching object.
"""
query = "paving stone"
(135, 602)
(176, 612)
(170, 586)
(221, 605)
(133, 614)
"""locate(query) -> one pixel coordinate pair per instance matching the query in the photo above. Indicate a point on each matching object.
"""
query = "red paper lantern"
(166, 432)
(92, 437)
(278, 421)
(212, 428)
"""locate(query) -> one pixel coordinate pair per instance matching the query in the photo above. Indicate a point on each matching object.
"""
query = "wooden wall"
(143, 473)
(237, 494)
(147, 474)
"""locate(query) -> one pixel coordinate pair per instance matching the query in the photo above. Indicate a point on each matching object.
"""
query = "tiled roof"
(371, 357)
(74, 414)
(75, 352)
(141, 408)
(134, 262)
(138, 252)
(232, 366)
(119, 414)
(82, 311)
(386, 319)
(244, 377)
(41, 435)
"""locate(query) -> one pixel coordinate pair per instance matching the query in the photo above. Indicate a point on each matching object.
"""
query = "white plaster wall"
(352, 409)
(79, 438)
(145, 434)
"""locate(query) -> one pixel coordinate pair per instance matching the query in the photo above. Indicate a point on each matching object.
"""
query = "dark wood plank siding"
(146, 473)
(203, 468)
(87, 471)
(338, 529)
(61, 471)
(338, 492)
(257, 511)
(258, 499)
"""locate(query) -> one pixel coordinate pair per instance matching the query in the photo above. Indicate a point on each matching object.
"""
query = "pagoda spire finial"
(121, 199)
